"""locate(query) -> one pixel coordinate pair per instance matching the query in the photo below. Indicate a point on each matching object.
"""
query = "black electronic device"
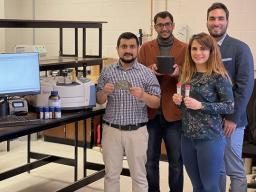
(17, 105)
(21, 113)
(165, 64)
(19, 75)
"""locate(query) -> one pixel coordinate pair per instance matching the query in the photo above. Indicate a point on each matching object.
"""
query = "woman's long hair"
(213, 64)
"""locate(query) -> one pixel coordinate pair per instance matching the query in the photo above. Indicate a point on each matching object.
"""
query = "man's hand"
(151, 101)
(137, 92)
(101, 96)
(229, 127)
(154, 68)
(176, 71)
(108, 88)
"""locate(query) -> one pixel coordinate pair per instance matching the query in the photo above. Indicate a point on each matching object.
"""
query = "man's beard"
(214, 35)
(128, 60)
(217, 35)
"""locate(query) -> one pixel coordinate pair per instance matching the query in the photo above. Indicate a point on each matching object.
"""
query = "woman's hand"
(191, 103)
(177, 98)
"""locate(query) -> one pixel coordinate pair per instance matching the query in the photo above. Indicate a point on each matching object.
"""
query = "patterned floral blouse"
(215, 93)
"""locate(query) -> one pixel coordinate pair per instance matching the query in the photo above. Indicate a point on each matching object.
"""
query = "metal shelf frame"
(84, 25)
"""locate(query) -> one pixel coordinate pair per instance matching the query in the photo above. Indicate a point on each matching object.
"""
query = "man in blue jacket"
(238, 60)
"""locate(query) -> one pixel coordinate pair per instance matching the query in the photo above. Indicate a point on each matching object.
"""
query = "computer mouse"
(20, 113)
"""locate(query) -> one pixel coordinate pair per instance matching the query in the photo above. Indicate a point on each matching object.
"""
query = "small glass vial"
(54, 99)
(41, 112)
(57, 111)
(51, 112)
(46, 112)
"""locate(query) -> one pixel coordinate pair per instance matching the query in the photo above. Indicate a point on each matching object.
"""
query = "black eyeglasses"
(162, 25)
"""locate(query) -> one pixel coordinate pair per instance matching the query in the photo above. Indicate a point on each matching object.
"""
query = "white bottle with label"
(54, 99)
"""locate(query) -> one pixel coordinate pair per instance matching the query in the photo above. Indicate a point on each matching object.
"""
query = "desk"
(43, 159)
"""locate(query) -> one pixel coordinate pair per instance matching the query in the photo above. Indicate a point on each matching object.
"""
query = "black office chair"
(249, 145)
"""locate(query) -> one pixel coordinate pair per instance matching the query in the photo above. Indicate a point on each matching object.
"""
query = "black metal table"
(43, 159)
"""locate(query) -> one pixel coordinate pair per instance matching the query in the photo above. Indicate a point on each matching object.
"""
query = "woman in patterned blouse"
(209, 97)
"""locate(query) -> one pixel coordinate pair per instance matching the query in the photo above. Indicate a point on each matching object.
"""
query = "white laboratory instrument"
(78, 94)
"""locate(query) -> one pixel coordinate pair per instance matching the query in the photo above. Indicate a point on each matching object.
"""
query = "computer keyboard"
(12, 121)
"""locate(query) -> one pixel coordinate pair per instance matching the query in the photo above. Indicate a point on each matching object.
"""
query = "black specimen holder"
(165, 64)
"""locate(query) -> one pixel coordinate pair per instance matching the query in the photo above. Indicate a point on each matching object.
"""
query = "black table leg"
(84, 147)
(76, 151)
(8, 145)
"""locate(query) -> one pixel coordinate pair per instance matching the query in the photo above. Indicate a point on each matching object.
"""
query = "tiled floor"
(53, 176)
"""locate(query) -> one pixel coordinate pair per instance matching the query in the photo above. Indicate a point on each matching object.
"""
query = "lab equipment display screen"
(19, 74)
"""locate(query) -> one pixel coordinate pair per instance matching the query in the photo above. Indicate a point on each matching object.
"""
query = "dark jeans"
(159, 128)
(203, 160)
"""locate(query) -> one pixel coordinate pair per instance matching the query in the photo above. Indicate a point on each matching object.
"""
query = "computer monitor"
(19, 74)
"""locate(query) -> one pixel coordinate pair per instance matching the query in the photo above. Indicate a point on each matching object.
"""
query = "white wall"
(124, 15)
(16, 9)
(2, 31)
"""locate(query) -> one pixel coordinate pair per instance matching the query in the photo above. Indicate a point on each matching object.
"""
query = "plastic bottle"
(41, 112)
(54, 99)
(57, 112)
(51, 112)
(46, 112)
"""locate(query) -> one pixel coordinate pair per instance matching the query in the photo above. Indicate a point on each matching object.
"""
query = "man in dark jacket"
(238, 60)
